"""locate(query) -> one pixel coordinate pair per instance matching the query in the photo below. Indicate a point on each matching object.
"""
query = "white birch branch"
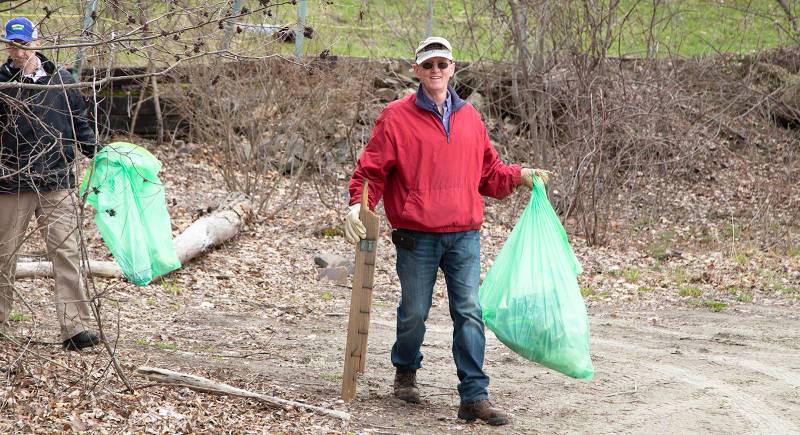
(204, 385)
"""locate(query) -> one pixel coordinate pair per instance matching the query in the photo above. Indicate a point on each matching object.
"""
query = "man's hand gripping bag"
(530, 297)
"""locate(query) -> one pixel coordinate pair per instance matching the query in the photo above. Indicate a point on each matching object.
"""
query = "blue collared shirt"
(447, 109)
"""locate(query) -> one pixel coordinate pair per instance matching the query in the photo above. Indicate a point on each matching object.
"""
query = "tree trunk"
(209, 231)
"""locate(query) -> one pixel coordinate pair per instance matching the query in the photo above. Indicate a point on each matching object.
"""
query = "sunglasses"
(14, 42)
(441, 65)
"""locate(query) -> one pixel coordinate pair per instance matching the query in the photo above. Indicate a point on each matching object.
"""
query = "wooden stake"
(355, 356)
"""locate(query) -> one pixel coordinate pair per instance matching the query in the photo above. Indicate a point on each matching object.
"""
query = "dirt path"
(252, 314)
(667, 372)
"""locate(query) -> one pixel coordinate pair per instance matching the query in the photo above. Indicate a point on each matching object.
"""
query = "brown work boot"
(405, 386)
(483, 410)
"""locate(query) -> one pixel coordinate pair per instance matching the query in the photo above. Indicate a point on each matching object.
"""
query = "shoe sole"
(409, 399)
(72, 346)
(490, 422)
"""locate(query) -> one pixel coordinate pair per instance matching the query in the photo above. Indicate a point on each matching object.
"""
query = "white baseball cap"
(435, 46)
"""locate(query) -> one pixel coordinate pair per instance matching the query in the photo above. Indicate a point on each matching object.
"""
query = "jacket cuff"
(516, 174)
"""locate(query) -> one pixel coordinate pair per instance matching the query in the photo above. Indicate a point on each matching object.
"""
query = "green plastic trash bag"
(530, 297)
(131, 211)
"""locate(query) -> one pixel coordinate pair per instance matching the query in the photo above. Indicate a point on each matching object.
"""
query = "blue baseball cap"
(21, 29)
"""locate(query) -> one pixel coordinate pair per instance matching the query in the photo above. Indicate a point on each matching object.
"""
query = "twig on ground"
(204, 385)
(635, 390)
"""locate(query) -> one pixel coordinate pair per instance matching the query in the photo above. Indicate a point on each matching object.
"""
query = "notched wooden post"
(355, 356)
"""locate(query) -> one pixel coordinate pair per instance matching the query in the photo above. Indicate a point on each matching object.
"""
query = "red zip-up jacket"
(431, 181)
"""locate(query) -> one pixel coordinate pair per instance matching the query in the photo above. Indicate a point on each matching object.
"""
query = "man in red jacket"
(430, 159)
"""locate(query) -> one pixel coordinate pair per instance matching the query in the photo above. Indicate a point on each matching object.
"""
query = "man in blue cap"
(40, 131)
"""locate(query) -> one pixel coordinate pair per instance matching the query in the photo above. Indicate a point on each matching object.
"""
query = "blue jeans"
(458, 255)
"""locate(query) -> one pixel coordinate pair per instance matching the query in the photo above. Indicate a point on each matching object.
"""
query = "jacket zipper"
(450, 123)
(441, 122)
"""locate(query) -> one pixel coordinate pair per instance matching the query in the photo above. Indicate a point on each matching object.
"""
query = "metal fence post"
(229, 26)
(88, 22)
(299, 30)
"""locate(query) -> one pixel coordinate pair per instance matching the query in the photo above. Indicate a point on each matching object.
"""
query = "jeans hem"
(474, 399)
(407, 368)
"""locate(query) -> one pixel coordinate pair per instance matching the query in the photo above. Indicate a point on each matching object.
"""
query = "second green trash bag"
(530, 297)
(131, 211)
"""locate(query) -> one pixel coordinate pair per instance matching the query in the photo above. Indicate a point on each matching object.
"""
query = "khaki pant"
(56, 216)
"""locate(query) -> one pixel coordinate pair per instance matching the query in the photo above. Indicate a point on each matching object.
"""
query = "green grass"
(714, 305)
(602, 295)
(679, 275)
(741, 258)
(658, 250)
(740, 294)
(702, 27)
(332, 377)
(327, 295)
(667, 236)
(19, 317)
(643, 223)
(744, 297)
(729, 230)
(171, 286)
(631, 274)
(165, 345)
(479, 29)
(331, 232)
(387, 28)
(690, 291)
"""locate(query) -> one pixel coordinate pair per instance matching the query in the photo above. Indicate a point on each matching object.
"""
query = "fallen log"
(30, 269)
(202, 235)
(213, 229)
(205, 385)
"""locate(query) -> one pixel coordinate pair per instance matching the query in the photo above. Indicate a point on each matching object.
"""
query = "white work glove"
(354, 229)
(526, 177)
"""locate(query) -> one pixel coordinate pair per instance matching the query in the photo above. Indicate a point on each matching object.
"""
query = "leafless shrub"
(95, 37)
(267, 119)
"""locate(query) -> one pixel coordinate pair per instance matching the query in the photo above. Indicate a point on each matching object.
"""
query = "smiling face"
(435, 79)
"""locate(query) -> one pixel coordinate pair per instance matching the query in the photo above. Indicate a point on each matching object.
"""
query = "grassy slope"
(386, 28)
(685, 27)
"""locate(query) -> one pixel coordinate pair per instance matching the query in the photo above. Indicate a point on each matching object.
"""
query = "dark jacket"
(40, 131)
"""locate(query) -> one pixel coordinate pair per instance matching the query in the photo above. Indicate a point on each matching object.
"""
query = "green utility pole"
(236, 8)
(299, 30)
(88, 22)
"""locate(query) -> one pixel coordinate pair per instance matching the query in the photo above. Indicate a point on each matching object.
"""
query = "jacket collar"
(10, 73)
(423, 102)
